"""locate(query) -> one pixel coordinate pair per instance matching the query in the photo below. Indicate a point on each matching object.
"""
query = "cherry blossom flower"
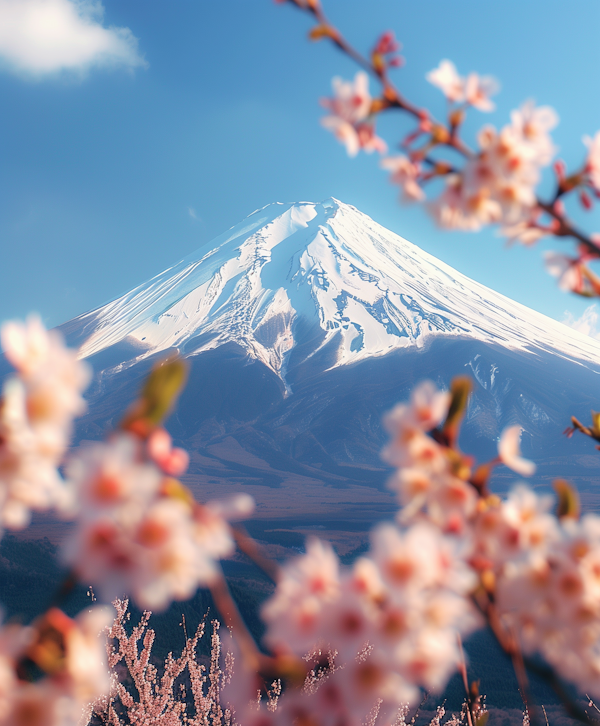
(427, 409)
(295, 614)
(478, 89)
(405, 174)
(140, 532)
(528, 518)
(349, 121)
(446, 78)
(510, 452)
(525, 231)
(105, 476)
(566, 269)
(36, 413)
(529, 129)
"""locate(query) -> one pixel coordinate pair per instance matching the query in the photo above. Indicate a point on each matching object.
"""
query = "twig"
(251, 549)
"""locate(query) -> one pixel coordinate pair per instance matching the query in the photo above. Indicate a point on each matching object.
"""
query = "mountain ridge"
(360, 291)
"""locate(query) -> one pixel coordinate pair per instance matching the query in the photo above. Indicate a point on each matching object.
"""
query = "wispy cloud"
(44, 37)
(588, 323)
(192, 213)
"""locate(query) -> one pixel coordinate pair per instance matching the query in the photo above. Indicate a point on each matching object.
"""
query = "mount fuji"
(302, 325)
(328, 265)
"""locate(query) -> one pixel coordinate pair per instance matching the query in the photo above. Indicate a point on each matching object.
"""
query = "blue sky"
(171, 121)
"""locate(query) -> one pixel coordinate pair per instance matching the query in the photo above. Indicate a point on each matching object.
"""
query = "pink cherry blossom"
(446, 78)
(405, 174)
(105, 476)
(36, 413)
(524, 231)
(566, 269)
(349, 121)
(294, 615)
(478, 89)
(529, 129)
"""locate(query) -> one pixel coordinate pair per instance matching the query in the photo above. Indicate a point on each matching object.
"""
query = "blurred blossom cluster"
(36, 413)
(391, 619)
(379, 632)
(137, 529)
(70, 655)
(458, 557)
(491, 182)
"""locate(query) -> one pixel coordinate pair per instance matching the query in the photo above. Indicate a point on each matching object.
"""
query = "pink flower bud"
(586, 200)
(559, 169)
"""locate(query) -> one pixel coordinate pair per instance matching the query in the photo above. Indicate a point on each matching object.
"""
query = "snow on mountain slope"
(369, 290)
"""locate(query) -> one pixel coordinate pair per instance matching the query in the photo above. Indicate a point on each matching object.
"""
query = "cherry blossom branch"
(509, 644)
(549, 676)
(469, 202)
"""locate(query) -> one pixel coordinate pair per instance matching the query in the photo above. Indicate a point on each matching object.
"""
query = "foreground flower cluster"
(467, 186)
(538, 573)
(36, 413)
(377, 633)
(137, 530)
(69, 654)
(460, 557)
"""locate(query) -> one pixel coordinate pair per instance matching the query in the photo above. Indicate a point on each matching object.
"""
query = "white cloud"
(43, 37)
(192, 213)
(588, 323)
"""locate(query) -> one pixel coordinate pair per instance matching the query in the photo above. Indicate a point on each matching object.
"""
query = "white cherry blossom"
(446, 78)
(349, 119)
(509, 451)
(478, 89)
(405, 173)
(36, 412)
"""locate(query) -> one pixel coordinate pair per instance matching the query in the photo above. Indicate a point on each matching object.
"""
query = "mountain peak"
(364, 289)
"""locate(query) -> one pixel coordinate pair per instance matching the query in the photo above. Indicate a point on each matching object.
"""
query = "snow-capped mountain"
(302, 326)
(368, 290)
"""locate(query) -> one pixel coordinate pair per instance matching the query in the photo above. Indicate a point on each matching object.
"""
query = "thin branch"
(521, 665)
(251, 549)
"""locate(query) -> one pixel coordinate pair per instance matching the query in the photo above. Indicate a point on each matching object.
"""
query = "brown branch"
(234, 621)
(509, 644)
(251, 549)
(566, 229)
(521, 664)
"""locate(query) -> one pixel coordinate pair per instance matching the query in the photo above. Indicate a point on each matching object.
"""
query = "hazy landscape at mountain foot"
(302, 325)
